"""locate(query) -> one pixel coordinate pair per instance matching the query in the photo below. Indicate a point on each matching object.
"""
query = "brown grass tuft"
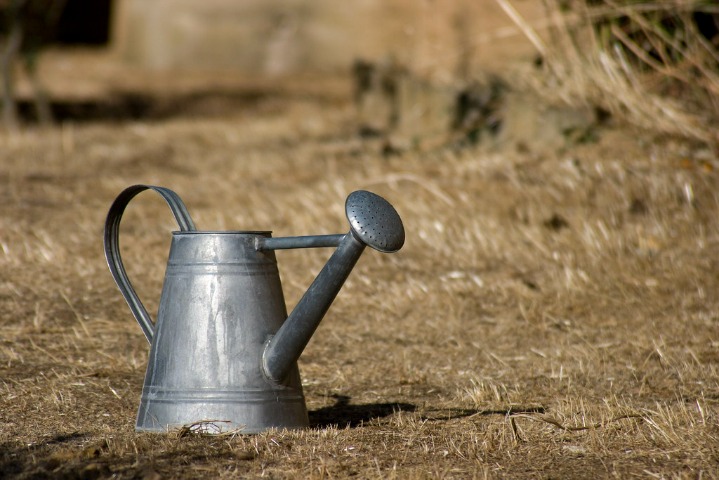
(647, 63)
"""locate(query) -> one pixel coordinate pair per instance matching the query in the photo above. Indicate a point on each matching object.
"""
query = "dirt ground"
(553, 314)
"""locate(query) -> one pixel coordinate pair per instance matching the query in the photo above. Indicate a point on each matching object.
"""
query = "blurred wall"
(438, 38)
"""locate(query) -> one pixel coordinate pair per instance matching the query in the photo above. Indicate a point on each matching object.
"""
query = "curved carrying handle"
(112, 246)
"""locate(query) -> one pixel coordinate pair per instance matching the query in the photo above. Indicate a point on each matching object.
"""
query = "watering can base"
(244, 412)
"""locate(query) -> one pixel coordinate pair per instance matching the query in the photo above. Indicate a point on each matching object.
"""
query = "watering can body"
(221, 303)
(223, 349)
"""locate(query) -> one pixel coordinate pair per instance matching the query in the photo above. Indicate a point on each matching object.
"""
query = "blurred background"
(416, 70)
(275, 37)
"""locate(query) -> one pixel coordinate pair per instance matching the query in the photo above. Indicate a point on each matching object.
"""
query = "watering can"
(223, 349)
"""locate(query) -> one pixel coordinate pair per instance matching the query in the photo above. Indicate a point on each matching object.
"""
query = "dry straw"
(644, 62)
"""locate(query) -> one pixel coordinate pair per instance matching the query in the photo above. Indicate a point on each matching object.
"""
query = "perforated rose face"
(374, 221)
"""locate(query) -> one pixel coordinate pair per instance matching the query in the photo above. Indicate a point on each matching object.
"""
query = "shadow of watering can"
(223, 349)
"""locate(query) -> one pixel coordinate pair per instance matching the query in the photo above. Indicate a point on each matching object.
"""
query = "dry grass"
(645, 62)
(548, 317)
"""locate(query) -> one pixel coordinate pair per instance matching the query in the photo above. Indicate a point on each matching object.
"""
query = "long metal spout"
(287, 345)
(374, 223)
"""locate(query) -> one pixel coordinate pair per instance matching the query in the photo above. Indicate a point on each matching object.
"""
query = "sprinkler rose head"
(374, 222)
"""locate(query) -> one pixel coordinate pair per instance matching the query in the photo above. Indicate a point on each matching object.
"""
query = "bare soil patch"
(553, 314)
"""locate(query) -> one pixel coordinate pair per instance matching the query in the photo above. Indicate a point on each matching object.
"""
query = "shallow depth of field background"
(553, 314)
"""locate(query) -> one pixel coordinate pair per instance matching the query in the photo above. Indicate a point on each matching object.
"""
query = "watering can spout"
(374, 223)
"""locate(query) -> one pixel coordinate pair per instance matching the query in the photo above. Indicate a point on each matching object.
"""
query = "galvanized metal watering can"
(223, 349)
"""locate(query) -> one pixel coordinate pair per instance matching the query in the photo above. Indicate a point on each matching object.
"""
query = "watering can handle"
(112, 246)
